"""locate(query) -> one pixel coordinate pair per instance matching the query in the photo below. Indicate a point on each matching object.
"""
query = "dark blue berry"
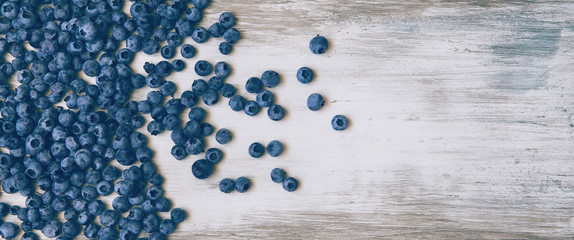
(290, 184)
(265, 98)
(225, 48)
(256, 150)
(178, 215)
(270, 78)
(315, 102)
(203, 68)
(178, 65)
(276, 112)
(305, 75)
(188, 51)
(278, 175)
(216, 30)
(253, 85)
(213, 155)
(274, 148)
(227, 20)
(202, 169)
(251, 108)
(223, 136)
(226, 185)
(237, 103)
(210, 97)
(339, 122)
(231, 35)
(228, 90)
(200, 35)
(318, 45)
(242, 184)
(167, 52)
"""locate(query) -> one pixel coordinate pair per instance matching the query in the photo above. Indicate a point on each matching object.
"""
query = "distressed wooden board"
(460, 111)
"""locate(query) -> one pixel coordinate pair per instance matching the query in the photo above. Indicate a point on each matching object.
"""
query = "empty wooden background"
(461, 122)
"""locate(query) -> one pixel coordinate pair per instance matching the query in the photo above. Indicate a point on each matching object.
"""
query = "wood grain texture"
(461, 123)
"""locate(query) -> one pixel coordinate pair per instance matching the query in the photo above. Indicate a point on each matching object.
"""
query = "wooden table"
(460, 113)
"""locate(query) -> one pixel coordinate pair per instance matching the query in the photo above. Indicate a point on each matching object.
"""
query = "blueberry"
(226, 185)
(339, 122)
(167, 226)
(216, 82)
(52, 229)
(222, 69)
(206, 129)
(237, 103)
(270, 78)
(194, 146)
(256, 150)
(318, 45)
(242, 184)
(228, 90)
(203, 68)
(227, 20)
(151, 223)
(201, 4)
(200, 35)
(91, 230)
(277, 175)
(9, 230)
(213, 155)
(231, 35)
(290, 184)
(178, 215)
(274, 148)
(202, 169)
(225, 48)
(315, 102)
(162, 204)
(223, 136)
(155, 127)
(199, 86)
(188, 99)
(197, 114)
(178, 65)
(265, 98)
(216, 30)
(150, 46)
(305, 75)
(251, 108)
(174, 39)
(105, 188)
(276, 112)
(107, 233)
(210, 97)
(167, 52)
(188, 51)
(121, 204)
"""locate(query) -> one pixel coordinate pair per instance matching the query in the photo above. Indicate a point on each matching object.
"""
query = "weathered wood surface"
(460, 110)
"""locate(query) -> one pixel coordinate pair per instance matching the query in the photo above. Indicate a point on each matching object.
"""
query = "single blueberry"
(227, 20)
(200, 35)
(226, 185)
(318, 45)
(242, 184)
(274, 148)
(305, 75)
(270, 78)
(223, 136)
(339, 122)
(188, 51)
(276, 112)
(237, 103)
(256, 150)
(225, 48)
(203, 68)
(251, 108)
(213, 155)
(202, 169)
(278, 175)
(231, 35)
(265, 98)
(315, 102)
(290, 184)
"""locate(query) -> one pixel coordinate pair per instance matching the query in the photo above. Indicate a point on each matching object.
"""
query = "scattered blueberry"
(270, 78)
(290, 184)
(226, 185)
(223, 136)
(318, 45)
(278, 175)
(315, 102)
(276, 112)
(339, 122)
(202, 169)
(256, 150)
(242, 184)
(274, 148)
(305, 75)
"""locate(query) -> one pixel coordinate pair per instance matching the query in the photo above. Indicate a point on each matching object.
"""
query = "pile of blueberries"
(62, 158)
